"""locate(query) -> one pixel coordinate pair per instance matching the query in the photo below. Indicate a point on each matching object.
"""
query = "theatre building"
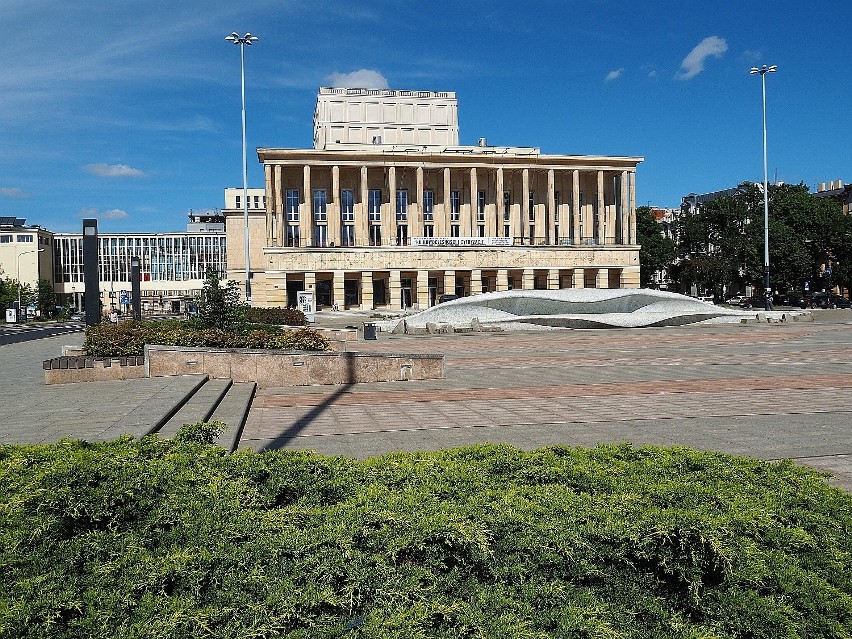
(388, 211)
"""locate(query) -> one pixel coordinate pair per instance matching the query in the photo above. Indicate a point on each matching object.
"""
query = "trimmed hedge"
(129, 338)
(156, 538)
(276, 315)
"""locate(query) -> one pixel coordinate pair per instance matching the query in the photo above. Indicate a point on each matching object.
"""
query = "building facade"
(25, 252)
(366, 222)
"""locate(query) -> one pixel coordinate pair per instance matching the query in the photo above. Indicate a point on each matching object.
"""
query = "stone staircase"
(212, 399)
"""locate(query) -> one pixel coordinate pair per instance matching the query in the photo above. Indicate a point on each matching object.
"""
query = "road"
(14, 333)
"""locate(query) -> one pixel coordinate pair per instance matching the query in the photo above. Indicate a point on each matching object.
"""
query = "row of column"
(473, 279)
(545, 219)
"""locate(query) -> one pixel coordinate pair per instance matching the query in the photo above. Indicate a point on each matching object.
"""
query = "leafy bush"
(172, 538)
(219, 306)
(276, 315)
(129, 338)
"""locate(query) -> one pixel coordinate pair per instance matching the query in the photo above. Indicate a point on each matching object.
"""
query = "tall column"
(362, 235)
(333, 209)
(468, 221)
(579, 276)
(449, 282)
(389, 219)
(502, 280)
(306, 212)
(337, 289)
(602, 279)
(442, 220)
(423, 290)
(475, 281)
(623, 217)
(601, 210)
(632, 210)
(553, 279)
(629, 277)
(524, 222)
(311, 283)
(552, 213)
(499, 213)
(415, 211)
(577, 233)
(270, 204)
(528, 279)
(366, 290)
(395, 289)
(278, 198)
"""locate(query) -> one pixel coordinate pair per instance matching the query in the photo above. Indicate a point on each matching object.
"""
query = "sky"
(130, 112)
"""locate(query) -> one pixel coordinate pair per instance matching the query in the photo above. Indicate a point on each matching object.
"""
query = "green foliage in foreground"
(158, 538)
(276, 315)
(129, 338)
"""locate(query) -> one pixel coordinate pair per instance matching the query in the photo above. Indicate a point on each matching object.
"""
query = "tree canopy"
(721, 243)
(657, 250)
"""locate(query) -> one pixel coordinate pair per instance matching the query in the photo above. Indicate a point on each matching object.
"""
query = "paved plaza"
(764, 390)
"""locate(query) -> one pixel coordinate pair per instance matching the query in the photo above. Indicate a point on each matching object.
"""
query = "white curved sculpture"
(578, 308)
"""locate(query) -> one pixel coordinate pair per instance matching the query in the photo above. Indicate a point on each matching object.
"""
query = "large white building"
(389, 211)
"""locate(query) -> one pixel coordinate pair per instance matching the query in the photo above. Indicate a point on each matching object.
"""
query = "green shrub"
(276, 315)
(129, 338)
(167, 538)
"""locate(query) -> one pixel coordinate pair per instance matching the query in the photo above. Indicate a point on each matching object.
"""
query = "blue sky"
(129, 111)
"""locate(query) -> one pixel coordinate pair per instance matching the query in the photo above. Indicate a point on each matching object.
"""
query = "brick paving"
(770, 391)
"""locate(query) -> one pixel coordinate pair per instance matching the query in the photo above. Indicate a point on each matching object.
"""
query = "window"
(292, 235)
(347, 205)
(428, 206)
(292, 205)
(532, 206)
(402, 235)
(454, 230)
(480, 206)
(374, 206)
(428, 230)
(455, 205)
(320, 235)
(238, 202)
(25, 238)
(507, 230)
(348, 235)
(375, 235)
(320, 204)
(481, 230)
(401, 205)
(257, 201)
(507, 206)
(556, 217)
(5, 239)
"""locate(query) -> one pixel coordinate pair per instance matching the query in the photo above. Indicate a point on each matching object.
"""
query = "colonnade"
(534, 204)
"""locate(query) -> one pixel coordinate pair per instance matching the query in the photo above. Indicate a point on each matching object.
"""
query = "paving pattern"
(765, 390)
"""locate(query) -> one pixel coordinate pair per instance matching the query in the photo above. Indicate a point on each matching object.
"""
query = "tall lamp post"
(18, 272)
(763, 71)
(247, 39)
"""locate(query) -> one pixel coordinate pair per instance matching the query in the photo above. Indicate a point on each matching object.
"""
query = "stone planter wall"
(291, 368)
(68, 370)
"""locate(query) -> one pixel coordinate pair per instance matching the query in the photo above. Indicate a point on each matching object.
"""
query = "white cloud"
(360, 79)
(612, 75)
(113, 170)
(652, 74)
(693, 64)
(17, 194)
(112, 214)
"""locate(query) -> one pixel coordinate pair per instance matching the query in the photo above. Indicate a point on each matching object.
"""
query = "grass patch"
(165, 538)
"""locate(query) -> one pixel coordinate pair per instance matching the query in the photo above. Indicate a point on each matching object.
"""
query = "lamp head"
(234, 37)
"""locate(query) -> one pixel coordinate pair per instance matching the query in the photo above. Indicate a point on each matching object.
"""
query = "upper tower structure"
(351, 118)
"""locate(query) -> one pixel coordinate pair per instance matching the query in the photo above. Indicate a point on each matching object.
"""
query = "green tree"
(220, 306)
(657, 252)
(8, 292)
(721, 245)
(45, 298)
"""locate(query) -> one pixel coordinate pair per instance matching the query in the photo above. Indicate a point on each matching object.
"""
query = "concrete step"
(150, 416)
(198, 408)
(233, 411)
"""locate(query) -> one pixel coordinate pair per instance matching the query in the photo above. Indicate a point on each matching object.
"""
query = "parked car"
(826, 300)
(735, 300)
(78, 317)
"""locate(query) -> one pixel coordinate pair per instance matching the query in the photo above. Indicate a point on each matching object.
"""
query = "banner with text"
(461, 241)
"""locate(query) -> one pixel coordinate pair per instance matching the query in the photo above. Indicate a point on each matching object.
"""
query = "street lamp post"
(18, 272)
(763, 71)
(247, 39)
